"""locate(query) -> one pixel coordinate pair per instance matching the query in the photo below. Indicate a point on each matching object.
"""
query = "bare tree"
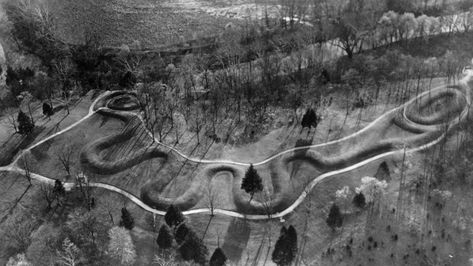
(25, 163)
(82, 181)
(211, 198)
(69, 255)
(64, 71)
(65, 158)
(121, 246)
(18, 232)
(11, 120)
(198, 119)
(48, 194)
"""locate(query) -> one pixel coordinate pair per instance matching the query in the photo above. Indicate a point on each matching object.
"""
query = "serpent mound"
(118, 100)
(124, 102)
(91, 155)
(436, 108)
(432, 111)
(429, 116)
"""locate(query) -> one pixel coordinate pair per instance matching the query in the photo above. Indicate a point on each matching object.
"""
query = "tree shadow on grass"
(9, 151)
(236, 239)
(296, 165)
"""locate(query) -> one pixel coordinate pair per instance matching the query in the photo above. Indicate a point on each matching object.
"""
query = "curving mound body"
(425, 119)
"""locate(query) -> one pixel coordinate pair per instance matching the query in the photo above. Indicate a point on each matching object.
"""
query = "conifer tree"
(305, 120)
(25, 123)
(47, 109)
(309, 119)
(173, 216)
(285, 249)
(127, 220)
(359, 200)
(181, 233)
(59, 189)
(334, 218)
(164, 239)
(252, 182)
(218, 258)
(193, 249)
(292, 240)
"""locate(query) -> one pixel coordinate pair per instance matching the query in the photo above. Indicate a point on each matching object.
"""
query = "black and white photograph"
(236, 132)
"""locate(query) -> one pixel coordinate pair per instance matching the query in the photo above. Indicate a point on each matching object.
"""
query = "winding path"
(92, 110)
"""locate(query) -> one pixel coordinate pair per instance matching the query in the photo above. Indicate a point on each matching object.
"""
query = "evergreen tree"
(127, 220)
(194, 249)
(359, 200)
(47, 109)
(334, 218)
(313, 118)
(181, 233)
(285, 249)
(173, 216)
(25, 124)
(309, 119)
(292, 240)
(305, 120)
(252, 182)
(218, 258)
(59, 189)
(164, 239)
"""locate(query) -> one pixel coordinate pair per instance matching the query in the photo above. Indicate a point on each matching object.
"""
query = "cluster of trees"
(335, 216)
(188, 244)
(65, 69)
